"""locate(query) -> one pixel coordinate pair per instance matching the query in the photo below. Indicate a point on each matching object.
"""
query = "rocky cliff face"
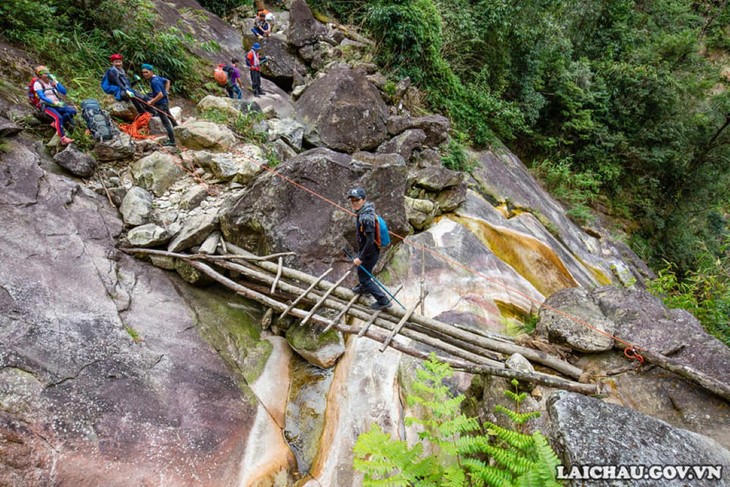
(118, 371)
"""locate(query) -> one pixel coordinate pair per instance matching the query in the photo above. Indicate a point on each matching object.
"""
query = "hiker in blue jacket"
(368, 250)
(115, 82)
(160, 88)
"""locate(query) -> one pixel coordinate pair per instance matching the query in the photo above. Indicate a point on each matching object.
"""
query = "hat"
(39, 70)
(256, 46)
(357, 193)
(148, 67)
(115, 57)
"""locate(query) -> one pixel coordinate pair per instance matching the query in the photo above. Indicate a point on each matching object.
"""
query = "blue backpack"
(382, 237)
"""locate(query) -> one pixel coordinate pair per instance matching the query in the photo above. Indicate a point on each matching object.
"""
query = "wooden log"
(537, 378)
(401, 323)
(341, 313)
(278, 275)
(324, 298)
(304, 294)
(367, 325)
(436, 328)
(530, 354)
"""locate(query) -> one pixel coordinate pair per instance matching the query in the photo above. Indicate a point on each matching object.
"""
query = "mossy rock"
(320, 349)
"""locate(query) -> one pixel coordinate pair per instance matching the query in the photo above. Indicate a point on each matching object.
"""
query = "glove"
(58, 104)
(130, 93)
(52, 77)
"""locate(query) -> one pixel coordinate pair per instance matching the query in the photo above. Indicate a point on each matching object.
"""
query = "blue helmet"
(256, 46)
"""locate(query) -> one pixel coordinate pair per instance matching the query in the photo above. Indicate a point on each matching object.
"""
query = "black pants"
(163, 110)
(366, 282)
(256, 82)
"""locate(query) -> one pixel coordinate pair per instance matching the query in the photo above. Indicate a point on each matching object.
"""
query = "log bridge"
(313, 301)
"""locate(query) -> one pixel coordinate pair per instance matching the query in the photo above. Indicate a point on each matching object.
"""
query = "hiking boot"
(169, 143)
(379, 306)
(66, 140)
(358, 289)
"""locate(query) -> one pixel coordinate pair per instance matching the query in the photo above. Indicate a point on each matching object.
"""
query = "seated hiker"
(159, 101)
(234, 85)
(115, 82)
(48, 92)
(261, 27)
(269, 17)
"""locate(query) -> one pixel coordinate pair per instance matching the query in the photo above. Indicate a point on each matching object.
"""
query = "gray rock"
(120, 147)
(436, 127)
(155, 126)
(420, 212)
(575, 302)
(194, 231)
(137, 206)
(303, 27)
(343, 111)
(123, 110)
(193, 197)
(200, 134)
(521, 364)
(220, 104)
(190, 274)
(591, 432)
(427, 158)
(288, 130)
(282, 150)
(437, 178)
(451, 198)
(210, 243)
(283, 64)
(8, 128)
(383, 160)
(156, 172)
(148, 235)
(404, 143)
(76, 162)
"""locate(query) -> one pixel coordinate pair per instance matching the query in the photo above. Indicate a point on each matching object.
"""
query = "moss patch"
(308, 338)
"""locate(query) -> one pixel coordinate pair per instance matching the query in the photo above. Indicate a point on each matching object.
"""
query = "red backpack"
(33, 98)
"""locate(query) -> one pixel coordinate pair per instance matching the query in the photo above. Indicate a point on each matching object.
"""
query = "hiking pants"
(366, 282)
(234, 91)
(163, 109)
(60, 116)
(256, 81)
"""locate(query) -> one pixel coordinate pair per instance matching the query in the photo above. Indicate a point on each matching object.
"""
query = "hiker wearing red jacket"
(253, 61)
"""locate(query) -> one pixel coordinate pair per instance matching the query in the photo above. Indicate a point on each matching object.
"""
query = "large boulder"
(404, 143)
(303, 27)
(588, 431)
(556, 323)
(273, 216)
(343, 111)
(75, 161)
(156, 172)
(320, 349)
(289, 130)
(436, 127)
(194, 231)
(220, 104)
(199, 134)
(437, 178)
(283, 65)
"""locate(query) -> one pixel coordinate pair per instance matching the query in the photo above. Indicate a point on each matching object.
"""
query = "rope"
(139, 128)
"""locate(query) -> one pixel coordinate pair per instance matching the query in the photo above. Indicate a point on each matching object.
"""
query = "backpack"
(220, 75)
(97, 120)
(33, 98)
(382, 237)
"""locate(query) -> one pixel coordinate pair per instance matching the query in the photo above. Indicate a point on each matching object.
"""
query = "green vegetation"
(624, 100)
(704, 292)
(75, 41)
(133, 334)
(245, 124)
(455, 450)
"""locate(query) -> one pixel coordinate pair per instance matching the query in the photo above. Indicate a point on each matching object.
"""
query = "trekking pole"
(374, 279)
(169, 115)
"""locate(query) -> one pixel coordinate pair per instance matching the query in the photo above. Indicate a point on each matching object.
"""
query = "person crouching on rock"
(261, 27)
(48, 92)
(160, 88)
(115, 82)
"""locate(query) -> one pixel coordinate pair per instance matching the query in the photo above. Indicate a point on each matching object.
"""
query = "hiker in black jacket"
(368, 250)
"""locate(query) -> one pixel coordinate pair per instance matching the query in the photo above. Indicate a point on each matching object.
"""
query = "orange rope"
(139, 128)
